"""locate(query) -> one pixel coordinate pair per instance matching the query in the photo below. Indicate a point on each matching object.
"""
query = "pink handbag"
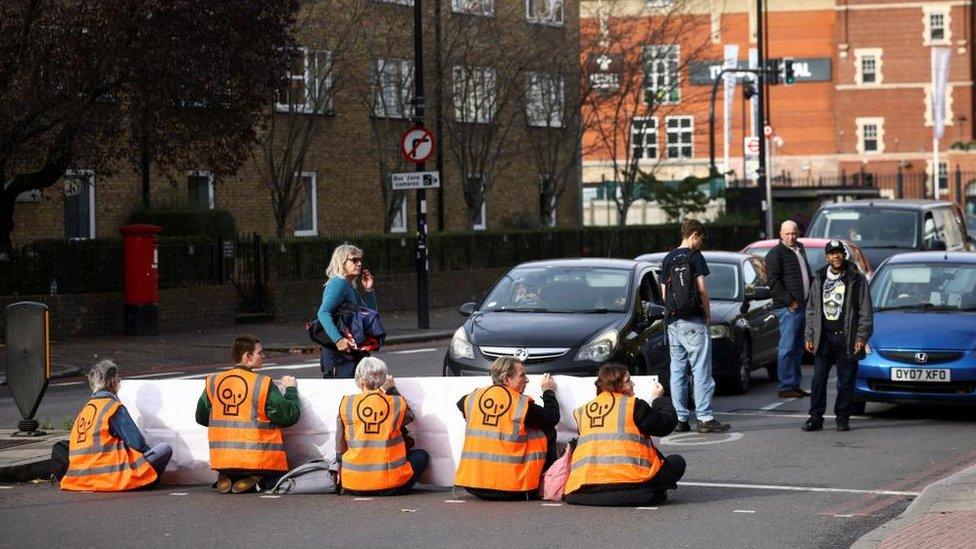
(554, 480)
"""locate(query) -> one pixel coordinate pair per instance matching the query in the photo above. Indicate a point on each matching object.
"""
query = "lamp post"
(422, 267)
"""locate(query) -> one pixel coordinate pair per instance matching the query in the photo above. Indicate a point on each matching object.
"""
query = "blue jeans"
(691, 343)
(791, 324)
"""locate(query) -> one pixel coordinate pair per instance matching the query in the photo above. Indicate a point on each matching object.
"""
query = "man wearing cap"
(839, 321)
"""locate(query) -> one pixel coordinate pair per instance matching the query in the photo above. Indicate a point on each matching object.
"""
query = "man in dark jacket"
(789, 281)
(839, 323)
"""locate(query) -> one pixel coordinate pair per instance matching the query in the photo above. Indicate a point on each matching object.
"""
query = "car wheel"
(858, 407)
(738, 383)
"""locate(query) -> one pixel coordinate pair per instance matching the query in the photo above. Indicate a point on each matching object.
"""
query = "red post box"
(141, 251)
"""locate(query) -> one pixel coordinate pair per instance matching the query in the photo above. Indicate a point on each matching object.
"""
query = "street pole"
(423, 313)
(439, 112)
(762, 180)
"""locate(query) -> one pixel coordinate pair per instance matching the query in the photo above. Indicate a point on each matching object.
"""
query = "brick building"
(859, 112)
(368, 106)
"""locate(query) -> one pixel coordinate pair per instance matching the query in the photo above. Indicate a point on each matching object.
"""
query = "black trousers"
(832, 351)
(501, 495)
(618, 495)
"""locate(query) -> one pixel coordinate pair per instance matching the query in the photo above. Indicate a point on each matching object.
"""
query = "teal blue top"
(336, 292)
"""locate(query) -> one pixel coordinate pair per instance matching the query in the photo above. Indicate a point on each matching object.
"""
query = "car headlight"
(460, 348)
(599, 348)
(718, 331)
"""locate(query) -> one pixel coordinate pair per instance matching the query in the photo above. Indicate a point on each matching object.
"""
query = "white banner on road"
(731, 62)
(940, 79)
(164, 411)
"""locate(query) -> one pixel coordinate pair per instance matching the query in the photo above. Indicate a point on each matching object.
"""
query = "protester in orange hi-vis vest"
(614, 462)
(508, 441)
(106, 451)
(376, 456)
(245, 412)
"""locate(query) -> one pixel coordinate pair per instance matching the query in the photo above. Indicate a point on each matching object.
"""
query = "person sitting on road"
(508, 441)
(370, 436)
(245, 412)
(106, 451)
(615, 463)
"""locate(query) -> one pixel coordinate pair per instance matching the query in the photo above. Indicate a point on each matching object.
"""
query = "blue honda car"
(924, 344)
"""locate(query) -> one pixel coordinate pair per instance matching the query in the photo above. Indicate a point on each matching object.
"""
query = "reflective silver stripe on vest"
(519, 410)
(376, 443)
(482, 456)
(97, 439)
(117, 468)
(258, 446)
(212, 393)
(611, 460)
(606, 437)
(256, 396)
(374, 466)
(469, 404)
(495, 435)
(234, 424)
(350, 428)
(111, 447)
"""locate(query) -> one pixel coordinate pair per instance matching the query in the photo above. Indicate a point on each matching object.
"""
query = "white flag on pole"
(731, 62)
(940, 79)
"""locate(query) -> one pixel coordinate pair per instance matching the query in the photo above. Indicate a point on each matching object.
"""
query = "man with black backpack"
(683, 273)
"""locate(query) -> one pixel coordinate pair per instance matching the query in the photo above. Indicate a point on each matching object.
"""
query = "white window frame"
(401, 75)
(862, 123)
(483, 8)
(545, 99)
(928, 12)
(659, 57)
(475, 94)
(483, 214)
(860, 56)
(314, 231)
(210, 184)
(91, 180)
(690, 131)
(644, 133)
(323, 83)
(400, 223)
(553, 12)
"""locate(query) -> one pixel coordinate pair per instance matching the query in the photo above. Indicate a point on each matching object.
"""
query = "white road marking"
(844, 516)
(744, 511)
(453, 501)
(193, 376)
(69, 383)
(177, 493)
(293, 367)
(270, 497)
(6, 487)
(363, 499)
(412, 351)
(799, 488)
(646, 508)
(270, 363)
(140, 376)
(776, 404)
(552, 504)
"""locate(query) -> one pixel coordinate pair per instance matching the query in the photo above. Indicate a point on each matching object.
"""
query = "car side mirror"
(653, 312)
(468, 308)
(937, 245)
(758, 293)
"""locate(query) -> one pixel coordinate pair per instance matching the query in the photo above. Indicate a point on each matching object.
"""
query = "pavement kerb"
(922, 505)
(30, 461)
(57, 372)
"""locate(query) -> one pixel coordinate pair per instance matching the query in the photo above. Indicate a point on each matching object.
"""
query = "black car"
(744, 329)
(883, 228)
(565, 316)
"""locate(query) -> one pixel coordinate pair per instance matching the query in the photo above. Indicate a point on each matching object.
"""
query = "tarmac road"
(765, 484)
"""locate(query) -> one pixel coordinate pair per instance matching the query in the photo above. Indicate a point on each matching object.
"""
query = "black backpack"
(681, 294)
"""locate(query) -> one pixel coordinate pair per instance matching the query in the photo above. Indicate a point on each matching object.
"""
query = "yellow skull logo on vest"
(232, 392)
(494, 402)
(373, 411)
(598, 412)
(86, 419)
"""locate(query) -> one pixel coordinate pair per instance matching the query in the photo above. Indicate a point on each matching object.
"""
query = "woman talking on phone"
(346, 277)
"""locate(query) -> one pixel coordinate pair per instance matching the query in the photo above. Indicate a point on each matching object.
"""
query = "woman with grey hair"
(370, 437)
(105, 451)
(346, 276)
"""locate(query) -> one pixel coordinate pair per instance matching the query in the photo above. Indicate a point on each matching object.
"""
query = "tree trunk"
(145, 163)
(6, 224)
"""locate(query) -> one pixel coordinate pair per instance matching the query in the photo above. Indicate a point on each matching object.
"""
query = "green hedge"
(217, 224)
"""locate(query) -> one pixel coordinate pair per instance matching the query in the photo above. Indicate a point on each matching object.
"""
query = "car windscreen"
(723, 281)
(561, 289)
(874, 227)
(947, 287)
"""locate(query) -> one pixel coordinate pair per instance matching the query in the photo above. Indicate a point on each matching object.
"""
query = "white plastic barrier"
(165, 412)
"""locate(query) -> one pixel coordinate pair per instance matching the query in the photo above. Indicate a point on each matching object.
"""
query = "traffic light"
(789, 74)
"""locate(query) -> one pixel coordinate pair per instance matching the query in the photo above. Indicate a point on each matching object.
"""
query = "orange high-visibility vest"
(240, 433)
(499, 452)
(610, 450)
(376, 456)
(100, 461)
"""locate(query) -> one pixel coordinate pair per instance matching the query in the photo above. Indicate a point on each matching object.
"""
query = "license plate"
(920, 374)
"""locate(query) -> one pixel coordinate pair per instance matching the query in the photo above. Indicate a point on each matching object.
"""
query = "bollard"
(28, 360)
